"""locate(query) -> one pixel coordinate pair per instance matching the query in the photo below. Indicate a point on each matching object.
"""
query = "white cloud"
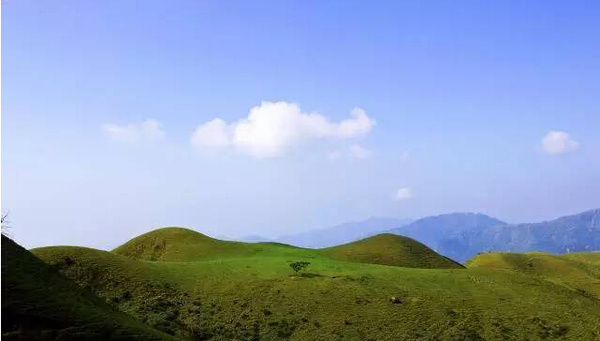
(558, 142)
(359, 152)
(403, 194)
(149, 130)
(272, 128)
(360, 124)
(214, 133)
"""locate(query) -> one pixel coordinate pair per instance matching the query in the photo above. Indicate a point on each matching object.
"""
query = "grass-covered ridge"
(177, 244)
(182, 244)
(577, 271)
(249, 292)
(40, 304)
(391, 249)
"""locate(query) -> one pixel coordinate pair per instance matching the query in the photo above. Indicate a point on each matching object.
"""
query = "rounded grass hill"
(391, 249)
(181, 244)
(38, 303)
(249, 292)
(178, 244)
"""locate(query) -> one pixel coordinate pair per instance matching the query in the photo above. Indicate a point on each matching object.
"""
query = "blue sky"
(326, 112)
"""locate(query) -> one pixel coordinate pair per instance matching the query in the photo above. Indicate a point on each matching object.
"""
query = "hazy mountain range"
(455, 235)
(343, 233)
(336, 235)
(460, 236)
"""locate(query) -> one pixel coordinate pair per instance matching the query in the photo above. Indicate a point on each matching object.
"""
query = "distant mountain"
(344, 233)
(253, 238)
(461, 236)
(449, 234)
(575, 233)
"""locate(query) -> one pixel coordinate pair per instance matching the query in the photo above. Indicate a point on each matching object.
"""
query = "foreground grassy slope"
(578, 271)
(40, 304)
(253, 295)
(391, 249)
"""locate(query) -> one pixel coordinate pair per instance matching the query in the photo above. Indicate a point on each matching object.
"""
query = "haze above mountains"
(461, 236)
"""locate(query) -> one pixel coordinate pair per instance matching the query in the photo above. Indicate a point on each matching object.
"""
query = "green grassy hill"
(249, 292)
(40, 304)
(578, 271)
(391, 249)
(585, 257)
(178, 244)
(181, 244)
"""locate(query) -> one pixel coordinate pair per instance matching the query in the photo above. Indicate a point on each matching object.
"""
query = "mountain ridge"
(452, 235)
(343, 233)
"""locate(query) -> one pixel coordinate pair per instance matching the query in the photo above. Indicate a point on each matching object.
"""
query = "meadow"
(386, 287)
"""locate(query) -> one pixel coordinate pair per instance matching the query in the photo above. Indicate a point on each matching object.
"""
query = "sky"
(273, 117)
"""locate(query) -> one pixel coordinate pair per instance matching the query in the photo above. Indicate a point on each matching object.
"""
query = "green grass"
(578, 271)
(180, 244)
(391, 249)
(176, 244)
(40, 304)
(585, 257)
(245, 291)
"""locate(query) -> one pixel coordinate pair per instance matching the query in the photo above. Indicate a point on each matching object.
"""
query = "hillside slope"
(40, 304)
(176, 244)
(182, 244)
(258, 296)
(580, 272)
(390, 249)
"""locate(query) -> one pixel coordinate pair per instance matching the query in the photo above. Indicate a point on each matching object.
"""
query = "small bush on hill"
(298, 266)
